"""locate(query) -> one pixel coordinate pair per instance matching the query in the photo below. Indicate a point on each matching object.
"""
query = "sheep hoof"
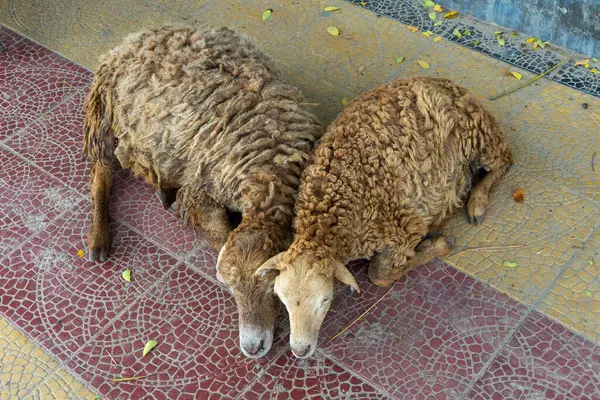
(476, 219)
(382, 282)
(99, 255)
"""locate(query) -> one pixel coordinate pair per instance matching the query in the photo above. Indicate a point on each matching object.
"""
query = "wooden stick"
(530, 81)
(593, 160)
(111, 357)
(365, 313)
(491, 248)
(133, 378)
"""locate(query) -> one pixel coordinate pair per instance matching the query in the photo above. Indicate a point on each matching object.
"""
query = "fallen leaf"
(363, 3)
(333, 31)
(591, 262)
(423, 64)
(126, 275)
(267, 14)
(581, 62)
(361, 69)
(412, 28)
(457, 33)
(587, 293)
(498, 33)
(150, 344)
(451, 14)
(516, 75)
(594, 59)
(437, 39)
(467, 32)
(594, 71)
(476, 42)
(514, 34)
(432, 16)
(429, 3)
(530, 40)
(97, 397)
(438, 23)
(437, 8)
(518, 195)
(501, 41)
(540, 43)
(427, 34)
(399, 60)
(587, 65)
(80, 253)
(344, 102)
(535, 45)
(510, 264)
(331, 8)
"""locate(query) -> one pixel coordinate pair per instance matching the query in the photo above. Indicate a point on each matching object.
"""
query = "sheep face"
(257, 304)
(306, 289)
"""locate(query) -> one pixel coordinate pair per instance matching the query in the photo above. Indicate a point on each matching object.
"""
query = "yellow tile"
(575, 298)
(62, 386)
(552, 222)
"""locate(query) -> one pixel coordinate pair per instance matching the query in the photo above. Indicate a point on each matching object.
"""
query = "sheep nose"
(302, 352)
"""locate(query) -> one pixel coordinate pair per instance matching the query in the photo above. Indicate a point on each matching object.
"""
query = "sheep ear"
(272, 264)
(345, 276)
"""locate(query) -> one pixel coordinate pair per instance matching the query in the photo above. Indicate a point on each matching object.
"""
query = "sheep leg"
(99, 237)
(206, 215)
(479, 198)
(390, 264)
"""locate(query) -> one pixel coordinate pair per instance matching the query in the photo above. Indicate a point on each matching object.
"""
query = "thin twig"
(530, 81)
(363, 314)
(593, 161)
(67, 83)
(111, 357)
(491, 248)
(133, 378)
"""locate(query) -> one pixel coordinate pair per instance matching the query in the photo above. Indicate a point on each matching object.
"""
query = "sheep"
(393, 167)
(206, 119)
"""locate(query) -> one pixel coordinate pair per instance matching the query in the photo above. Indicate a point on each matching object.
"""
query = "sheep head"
(305, 286)
(246, 249)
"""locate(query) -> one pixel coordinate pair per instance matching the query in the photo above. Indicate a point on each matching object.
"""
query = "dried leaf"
(80, 253)
(429, 3)
(432, 16)
(399, 60)
(150, 344)
(437, 39)
(423, 64)
(451, 14)
(501, 41)
(438, 23)
(594, 71)
(344, 102)
(516, 75)
(518, 196)
(535, 45)
(582, 62)
(412, 28)
(591, 262)
(333, 31)
(267, 14)
(476, 42)
(126, 275)
(587, 293)
(467, 32)
(361, 69)
(427, 34)
(457, 33)
(510, 264)
(530, 40)
(438, 8)
(331, 8)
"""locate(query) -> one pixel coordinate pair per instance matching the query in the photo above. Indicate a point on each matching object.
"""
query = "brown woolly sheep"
(394, 166)
(207, 120)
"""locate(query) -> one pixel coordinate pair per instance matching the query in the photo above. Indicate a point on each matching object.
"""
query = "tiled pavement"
(475, 330)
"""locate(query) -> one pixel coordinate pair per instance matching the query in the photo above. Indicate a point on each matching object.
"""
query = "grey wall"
(574, 24)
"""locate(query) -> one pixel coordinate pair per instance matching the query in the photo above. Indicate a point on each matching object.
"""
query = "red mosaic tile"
(430, 337)
(29, 201)
(316, 378)
(195, 323)
(54, 143)
(62, 300)
(544, 360)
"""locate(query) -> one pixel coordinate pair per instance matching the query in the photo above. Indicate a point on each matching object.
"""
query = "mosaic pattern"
(483, 37)
(542, 361)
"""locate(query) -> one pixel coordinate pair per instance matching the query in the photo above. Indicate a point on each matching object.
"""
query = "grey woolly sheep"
(207, 120)
(395, 165)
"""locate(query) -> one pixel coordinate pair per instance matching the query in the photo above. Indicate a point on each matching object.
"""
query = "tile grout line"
(532, 307)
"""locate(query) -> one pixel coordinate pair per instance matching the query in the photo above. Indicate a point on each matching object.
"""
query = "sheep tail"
(99, 139)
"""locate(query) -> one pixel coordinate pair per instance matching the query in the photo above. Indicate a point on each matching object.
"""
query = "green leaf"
(510, 264)
(126, 275)
(587, 293)
(591, 262)
(97, 397)
(457, 33)
(150, 344)
(498, 33)
(514, 34)
(429, 3)
(501, 41)
(423, 64)
(267, 14)
(467, 32)
(344, 102)
(594, 59)
(476, 42)
(399, 60)
(333, 31)
(438, 23)
(432, 16)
